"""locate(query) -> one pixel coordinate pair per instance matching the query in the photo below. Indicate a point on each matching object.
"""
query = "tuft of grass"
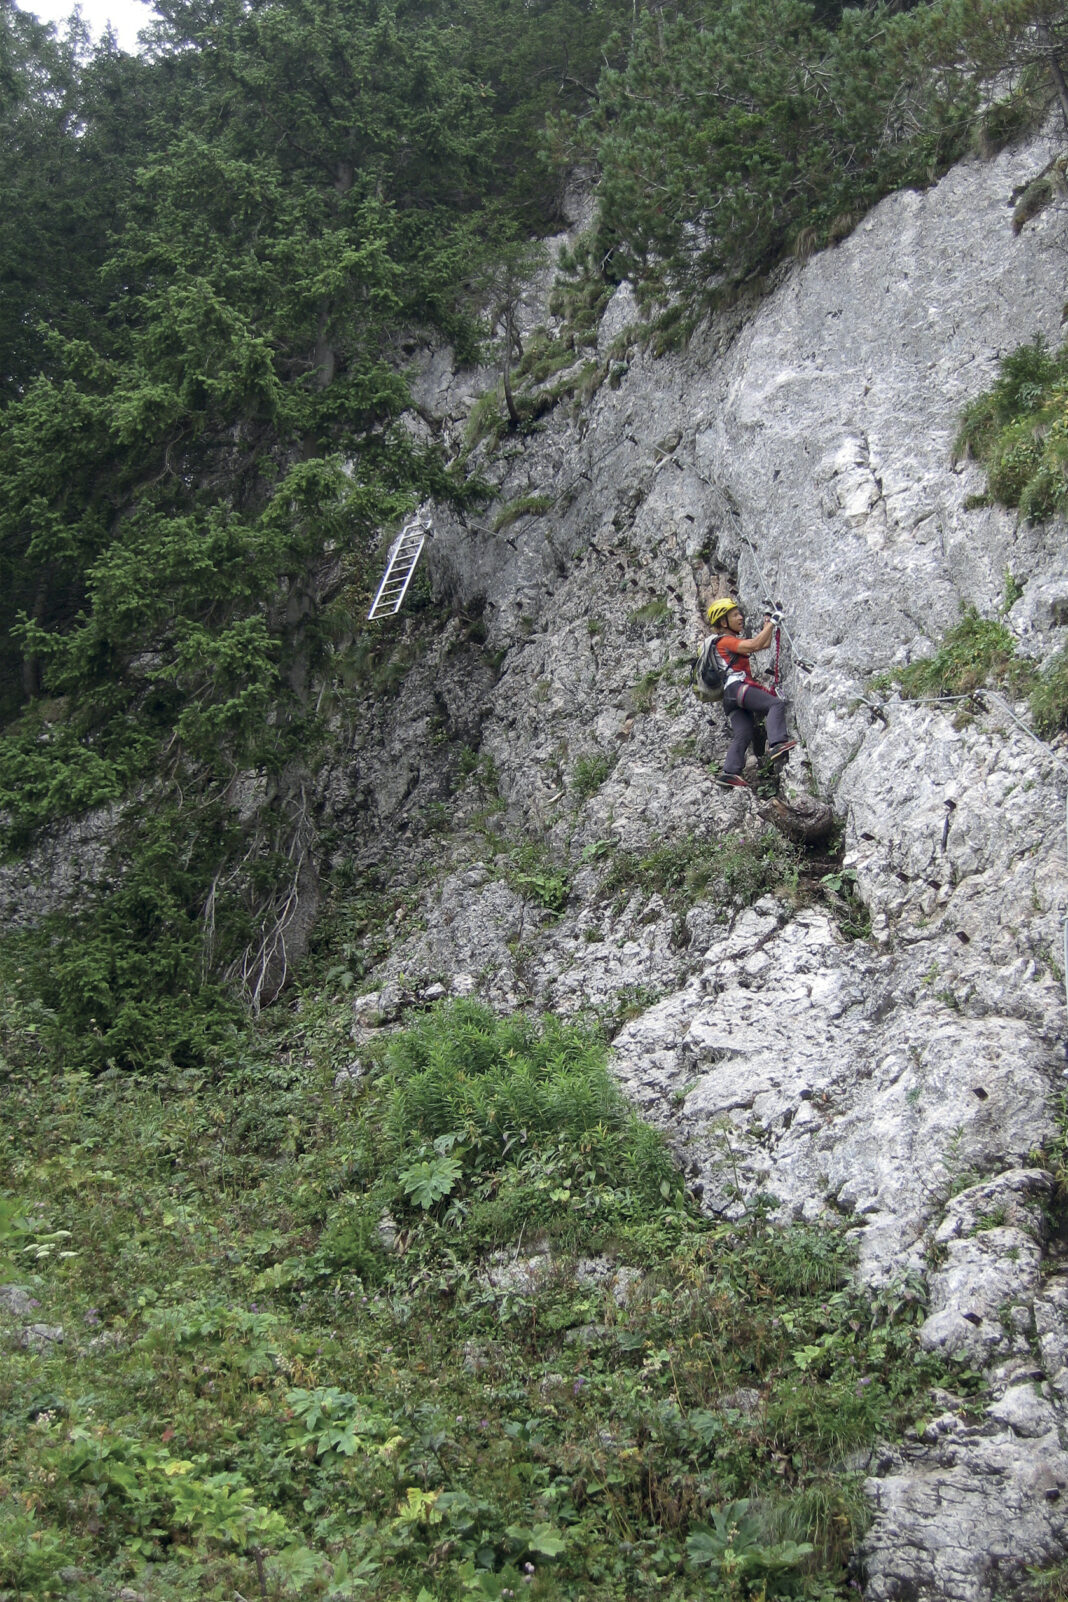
(832, 1514)
(525, 506)
(1018, 430)
(534, 874)
(643, 693)
(1049, 698)
(487, 419)
(976, 651)
(1047, 1584)
(842, 896)
(590, 772)
(731, 869)
(655, 611)
(981, 651)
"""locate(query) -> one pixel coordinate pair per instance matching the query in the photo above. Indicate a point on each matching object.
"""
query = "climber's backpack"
(708, 676)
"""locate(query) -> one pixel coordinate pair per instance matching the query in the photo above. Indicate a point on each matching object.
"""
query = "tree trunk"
(511, 343)
(1056, 71)
(31, 664)
(509, 400)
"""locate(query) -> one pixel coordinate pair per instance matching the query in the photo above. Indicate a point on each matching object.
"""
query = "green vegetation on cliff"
(454, 1331)
(1018, 430)
(733, 135)
(212, 259)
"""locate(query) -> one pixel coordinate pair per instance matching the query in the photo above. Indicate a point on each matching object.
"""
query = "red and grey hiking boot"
(780, 750)
(731, 781)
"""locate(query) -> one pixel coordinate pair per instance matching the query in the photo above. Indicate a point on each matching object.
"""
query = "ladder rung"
(401, 563)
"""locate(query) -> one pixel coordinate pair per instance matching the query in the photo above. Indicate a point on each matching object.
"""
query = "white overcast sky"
(127, 17)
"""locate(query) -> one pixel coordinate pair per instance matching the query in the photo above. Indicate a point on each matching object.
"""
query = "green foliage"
(1018, 429)
(426, 1183)
(978, 651)
(733, 1546)
(199, 450)
(331, 1420)
(525, 506)
(841, 892)
(126, 981)
(733, 134)
(534, 874)
(729, 868)
(656, 611)
(1047, 1584)
(975, 651)
(237, 1396)
(1054, 1154)
(486, 419)
(72, 126)
(643, 693)
(589, 773)
(13, 1227)
(485, 1090)
(1049, 697)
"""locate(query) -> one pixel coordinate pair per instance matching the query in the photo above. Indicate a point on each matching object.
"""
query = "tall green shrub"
(1018, 430)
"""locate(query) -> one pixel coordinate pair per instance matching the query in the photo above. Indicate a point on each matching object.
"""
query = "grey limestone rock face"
(797, 1065)
(63, 867)
(17, 1301)
(901, 1081)
(960, 1520)
(1026, 1411)
(39, 1337)
(988, 1270)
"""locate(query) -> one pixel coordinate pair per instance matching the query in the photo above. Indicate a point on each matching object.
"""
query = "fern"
(515, 1092)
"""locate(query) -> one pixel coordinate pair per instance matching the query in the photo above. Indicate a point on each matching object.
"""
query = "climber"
(745, 700)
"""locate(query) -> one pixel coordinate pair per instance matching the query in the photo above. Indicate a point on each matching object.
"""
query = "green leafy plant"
(14, 1228)
(429, 1181)
(975, 651)
(332, 1420)
(1049, 698)
(1018, 430)
(534, 874)
(734, 1546)
(589, 773)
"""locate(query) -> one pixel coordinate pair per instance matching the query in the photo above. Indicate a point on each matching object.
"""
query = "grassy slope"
(253, 1397)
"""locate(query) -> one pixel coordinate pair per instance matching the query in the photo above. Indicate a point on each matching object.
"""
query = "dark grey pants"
(742, 719)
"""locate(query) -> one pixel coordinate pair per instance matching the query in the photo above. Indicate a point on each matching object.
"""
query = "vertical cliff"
(905, 1079)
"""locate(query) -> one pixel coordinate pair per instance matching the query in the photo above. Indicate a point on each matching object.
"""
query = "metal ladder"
(404, 553)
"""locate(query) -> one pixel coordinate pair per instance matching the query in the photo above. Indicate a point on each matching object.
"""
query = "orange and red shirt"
(737, 661)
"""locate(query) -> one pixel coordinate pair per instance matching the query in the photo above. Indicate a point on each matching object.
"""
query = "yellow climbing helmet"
(719, 609)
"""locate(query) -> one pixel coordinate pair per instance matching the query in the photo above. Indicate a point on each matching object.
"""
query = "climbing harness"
(401, 562)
